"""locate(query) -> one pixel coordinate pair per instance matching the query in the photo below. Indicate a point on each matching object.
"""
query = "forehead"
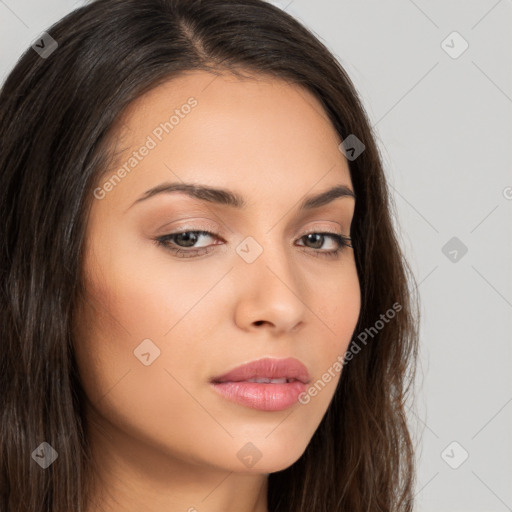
(259, 106)
(224, 130)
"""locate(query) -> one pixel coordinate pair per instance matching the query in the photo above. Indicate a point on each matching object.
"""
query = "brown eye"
(318, 240)
(179, 243)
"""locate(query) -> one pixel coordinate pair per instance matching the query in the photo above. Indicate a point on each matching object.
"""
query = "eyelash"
(162, 241)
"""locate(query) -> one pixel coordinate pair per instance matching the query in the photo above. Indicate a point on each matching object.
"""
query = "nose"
(270, 292)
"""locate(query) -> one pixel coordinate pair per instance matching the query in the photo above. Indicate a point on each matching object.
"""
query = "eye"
(183, 240)
(318, 238)
(183, 244)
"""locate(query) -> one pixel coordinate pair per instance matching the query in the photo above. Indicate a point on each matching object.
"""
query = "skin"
(163, 439)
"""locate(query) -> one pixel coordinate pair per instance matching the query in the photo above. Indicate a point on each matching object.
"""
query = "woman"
(204, 303)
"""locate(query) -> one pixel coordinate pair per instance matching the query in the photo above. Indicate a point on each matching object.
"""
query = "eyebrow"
(229, 198)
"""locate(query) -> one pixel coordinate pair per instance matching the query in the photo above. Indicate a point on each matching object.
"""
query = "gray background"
(444, 128)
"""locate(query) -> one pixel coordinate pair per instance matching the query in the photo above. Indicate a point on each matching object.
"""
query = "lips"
(268, 385)
(269, 371)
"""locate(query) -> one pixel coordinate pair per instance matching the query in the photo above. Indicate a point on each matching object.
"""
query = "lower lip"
(262, 396)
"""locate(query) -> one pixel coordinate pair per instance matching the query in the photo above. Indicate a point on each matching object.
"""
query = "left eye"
(187, 239)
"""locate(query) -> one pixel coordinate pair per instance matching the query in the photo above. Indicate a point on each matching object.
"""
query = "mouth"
(266, 384)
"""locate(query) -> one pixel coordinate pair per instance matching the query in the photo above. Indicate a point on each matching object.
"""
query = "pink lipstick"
(267, 384)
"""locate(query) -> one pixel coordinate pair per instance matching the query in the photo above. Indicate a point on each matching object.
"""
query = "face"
(182, 289)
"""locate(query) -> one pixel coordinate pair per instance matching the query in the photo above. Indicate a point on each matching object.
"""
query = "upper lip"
(289, 368)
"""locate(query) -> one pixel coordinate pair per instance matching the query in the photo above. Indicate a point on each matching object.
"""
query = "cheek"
(346, 314)
(338, 304)
(126, 310)
(337, 309)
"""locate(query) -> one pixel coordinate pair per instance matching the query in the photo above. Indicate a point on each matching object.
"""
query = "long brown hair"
(55, 115)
